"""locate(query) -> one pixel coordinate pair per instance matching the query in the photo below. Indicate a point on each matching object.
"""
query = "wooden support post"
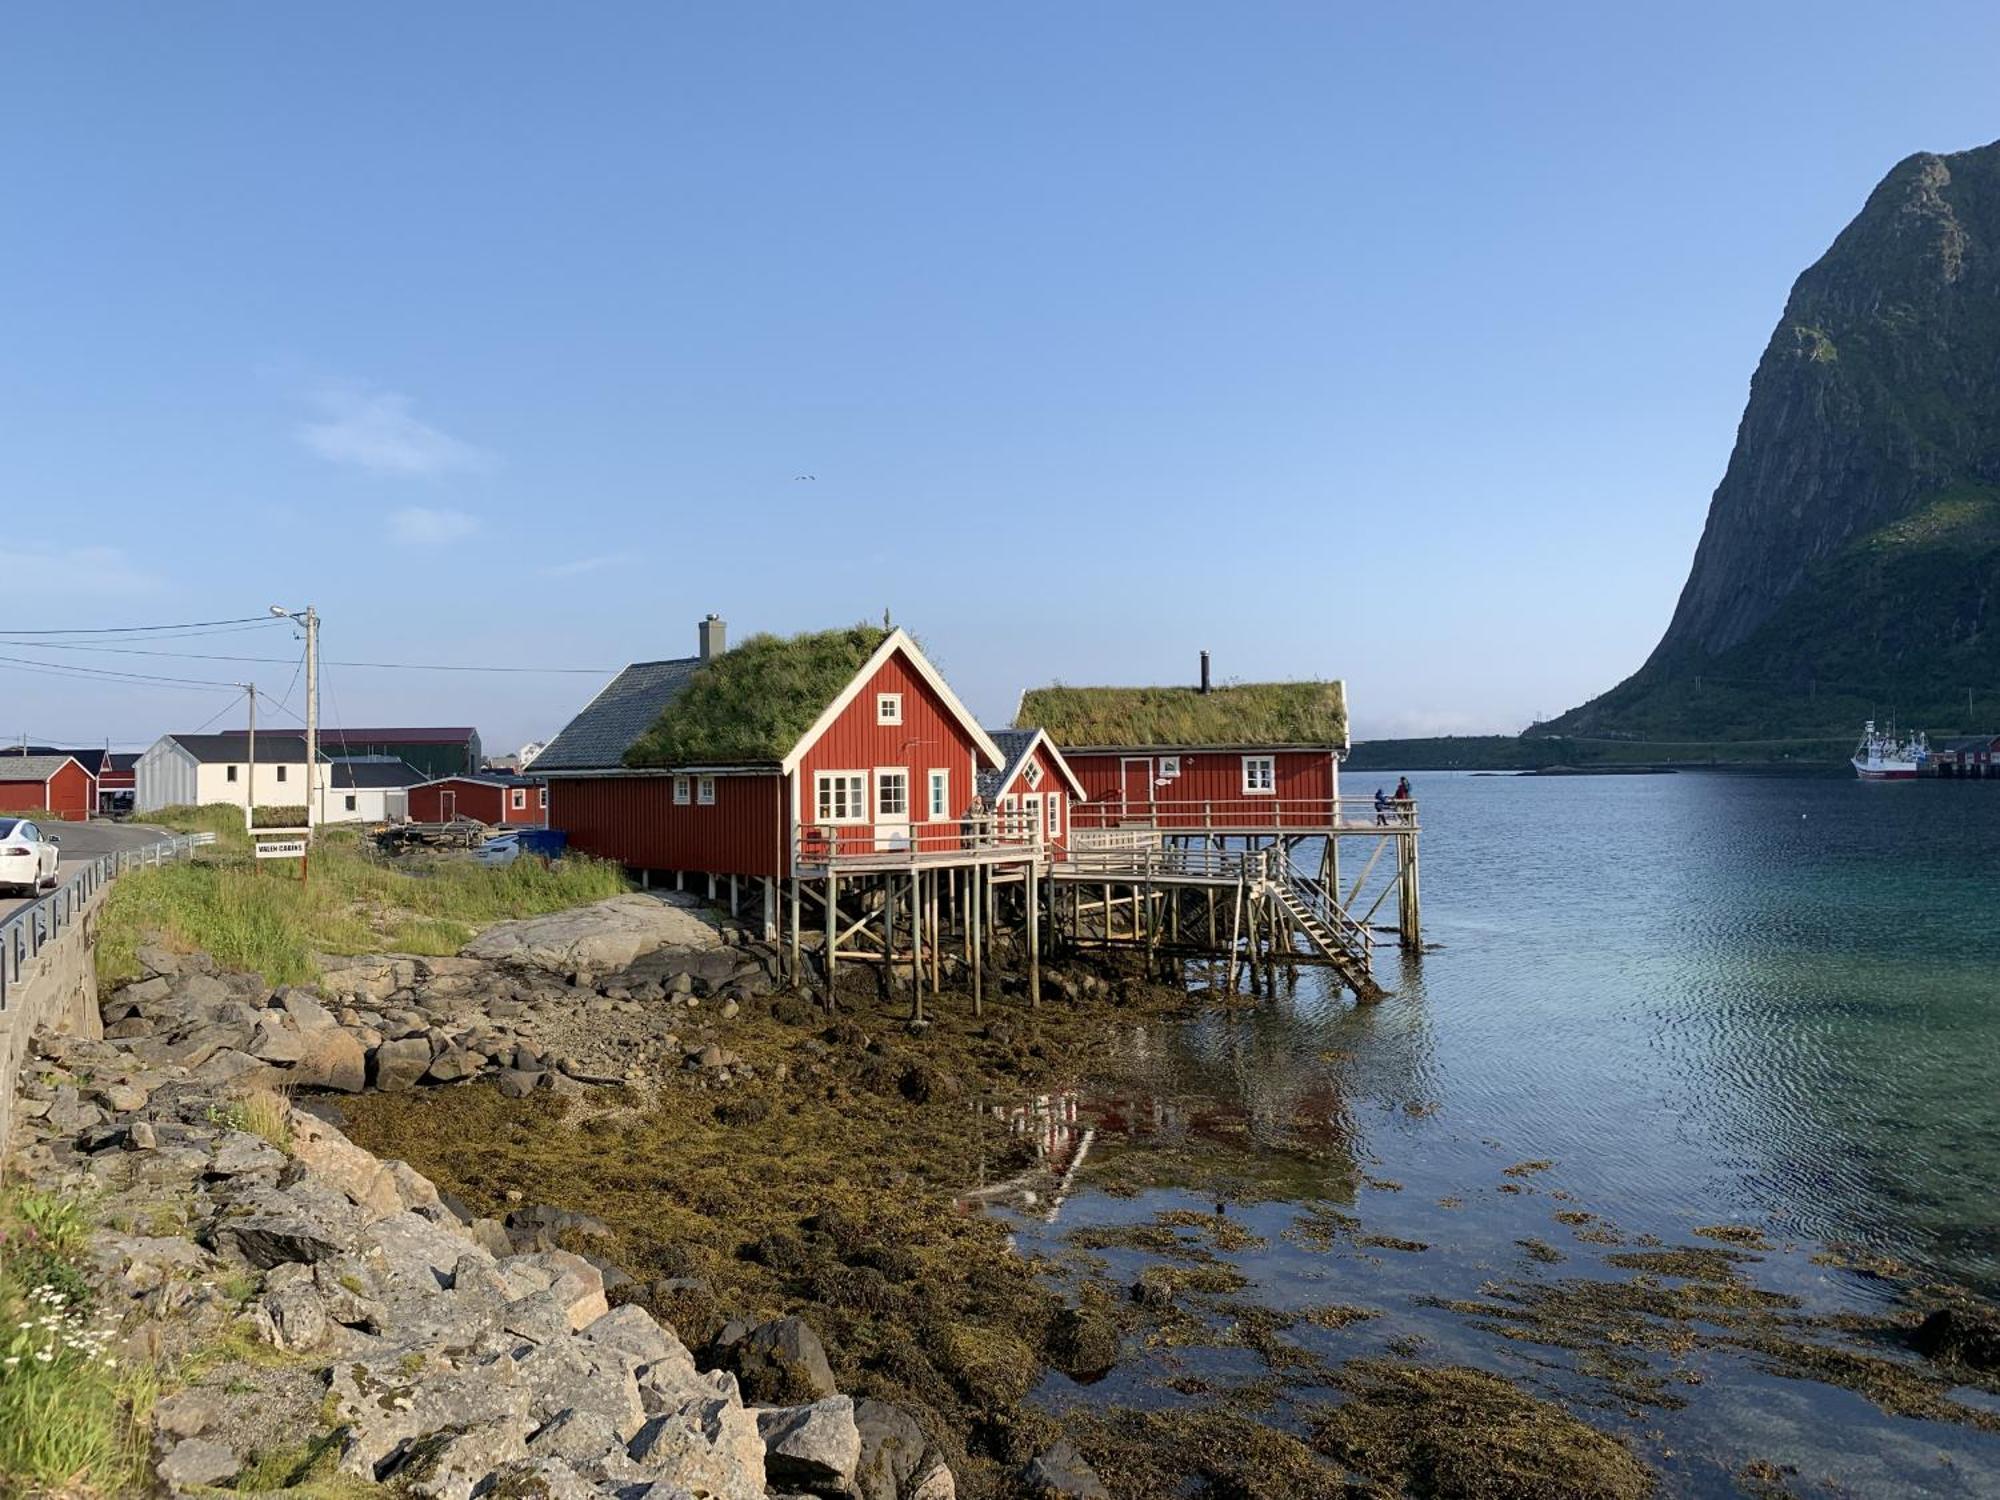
(937, 934)
(734, 896)
(1235, 935)
(677, 880)
(1034, 936)
(888, 935)
(770, 910)
(973, 911)
(798, 972)
(645, 880)
(916, 947)
(832, 931)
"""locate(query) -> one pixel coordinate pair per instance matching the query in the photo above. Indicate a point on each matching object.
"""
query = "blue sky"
(1401, 344)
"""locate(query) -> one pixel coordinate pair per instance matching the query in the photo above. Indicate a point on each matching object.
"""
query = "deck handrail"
(993, 837)
(26, 931)
(1252, 812)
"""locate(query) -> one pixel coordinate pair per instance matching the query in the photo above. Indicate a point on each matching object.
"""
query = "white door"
(892, 807)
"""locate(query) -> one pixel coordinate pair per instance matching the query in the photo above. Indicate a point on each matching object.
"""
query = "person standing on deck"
(1404, 802)
(1381, 806)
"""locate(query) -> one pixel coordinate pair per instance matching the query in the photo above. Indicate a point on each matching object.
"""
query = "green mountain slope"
(1851, 556)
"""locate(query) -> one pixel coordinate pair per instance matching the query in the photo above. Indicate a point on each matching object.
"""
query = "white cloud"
(421, 527)
(373, 430)
(68, 572)
(580, 566)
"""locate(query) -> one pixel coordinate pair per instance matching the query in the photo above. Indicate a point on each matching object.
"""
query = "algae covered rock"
(782, 1363)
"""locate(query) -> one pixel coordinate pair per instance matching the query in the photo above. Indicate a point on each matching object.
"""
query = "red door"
(1135, 776)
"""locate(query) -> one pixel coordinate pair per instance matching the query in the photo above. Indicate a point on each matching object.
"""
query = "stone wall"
(56, 993)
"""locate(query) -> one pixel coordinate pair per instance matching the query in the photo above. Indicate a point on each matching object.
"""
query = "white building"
(182, 770)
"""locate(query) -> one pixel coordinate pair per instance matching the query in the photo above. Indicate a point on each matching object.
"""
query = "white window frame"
(1032, 774)
(704, 791)
(888, 708)
(545, 799)
(939, 801)
(1010, 816)
(1053, 802)
(683, 791)
(1268, 778)
(856, 797)
(884, 777)
(1031, 815)
(517, 799)
(1170, 767)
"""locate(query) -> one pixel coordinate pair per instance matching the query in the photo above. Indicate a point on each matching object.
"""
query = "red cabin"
(1243, 759)
(499, 801)
(50, 786)
(1035, 789)
(778, 753)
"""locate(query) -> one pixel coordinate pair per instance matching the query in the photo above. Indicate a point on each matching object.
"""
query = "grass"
(71, 1413)
(265, 919)
(1253, 713)
(261, 1112)
(752, 704)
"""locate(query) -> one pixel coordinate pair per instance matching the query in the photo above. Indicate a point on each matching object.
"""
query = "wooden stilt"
(832, 931)
(798, 972)
(1235, 936)
(916, 947)
(1034, 937)
(888, 935)
(770, 910)
(936, 934)
(976, 959)
(734, 896)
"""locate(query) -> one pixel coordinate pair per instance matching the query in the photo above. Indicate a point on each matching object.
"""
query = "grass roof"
(750, 705)
(1251, 713)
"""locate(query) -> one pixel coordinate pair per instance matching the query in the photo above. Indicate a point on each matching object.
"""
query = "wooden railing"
(1237, 813)
(995, 838)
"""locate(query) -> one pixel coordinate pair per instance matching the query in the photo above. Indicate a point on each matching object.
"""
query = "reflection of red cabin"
(889, 763)
(54, 786)
(1035, 789)
(499, 801)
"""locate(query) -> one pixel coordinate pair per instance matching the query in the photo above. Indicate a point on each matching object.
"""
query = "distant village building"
(1974, 756)
(93, 761)
(196, 769)
(497, 800)
(525, 756)
(368, 789)
(48, 785)
(434, 752)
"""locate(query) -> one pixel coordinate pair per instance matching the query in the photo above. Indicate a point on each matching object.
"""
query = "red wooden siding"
(635, 821)
(477, 799)
(1052, 783)
(1208, 791)
(69, 795)
(930, 737)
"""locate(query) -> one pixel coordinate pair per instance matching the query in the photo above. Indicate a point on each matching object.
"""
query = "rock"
(571, 1375)
(330, 1058)
(542, 1226)
(542, 1479)
(414, 1249)
(141, 1136)
(489, 1236)
(226, 1067)
(577, 1285)
(934, 1483)
(185, 1414)
(451, 1065)
(302, 1223)
(705, 1445)
(275, 1042)
(815, 1447)
(291, 1317)
(387, 1401)
(454, 1465)
(782, 1362)
(1061, 1474)
(598, 939)
(634, 1331)
(197, 1461)
(893, 1449)
(1960, 1336)
(577, 1437)
(517, 1083)
(399, 1065)
(239, 1152)
(122, 1098)
(147, 991)
(1082, 1343)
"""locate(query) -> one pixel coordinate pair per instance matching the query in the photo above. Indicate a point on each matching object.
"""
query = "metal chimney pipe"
(1204, 671)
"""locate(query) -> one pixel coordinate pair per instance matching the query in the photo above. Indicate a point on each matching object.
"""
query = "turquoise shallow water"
(1703, 999)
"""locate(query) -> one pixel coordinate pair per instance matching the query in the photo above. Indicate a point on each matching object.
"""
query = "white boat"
(1882, 757)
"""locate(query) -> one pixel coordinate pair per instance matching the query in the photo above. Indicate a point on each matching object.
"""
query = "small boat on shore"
(1882, 757)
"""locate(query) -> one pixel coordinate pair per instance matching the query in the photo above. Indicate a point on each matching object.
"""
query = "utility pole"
(250, 779)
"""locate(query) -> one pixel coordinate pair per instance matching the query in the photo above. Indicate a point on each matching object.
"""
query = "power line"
(144, 629)
(64, 669)
(385, 666)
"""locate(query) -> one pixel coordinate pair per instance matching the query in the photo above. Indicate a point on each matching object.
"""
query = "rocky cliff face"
(1872, 432)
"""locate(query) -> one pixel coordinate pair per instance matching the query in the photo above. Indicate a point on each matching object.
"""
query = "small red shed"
(499, 801)
(1035, 789)
(51, 786)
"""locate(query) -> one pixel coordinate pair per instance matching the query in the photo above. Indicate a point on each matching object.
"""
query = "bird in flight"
(797, 477)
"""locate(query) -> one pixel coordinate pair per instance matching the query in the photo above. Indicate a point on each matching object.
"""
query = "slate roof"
(449, 736)
(272, 749)
(91, 760)
(31, 767)
(122, 760)
(598, 737)
(355, 775)
(485, 778)
(1013, 745)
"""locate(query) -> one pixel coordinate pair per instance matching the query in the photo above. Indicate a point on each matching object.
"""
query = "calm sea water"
(1705, 999)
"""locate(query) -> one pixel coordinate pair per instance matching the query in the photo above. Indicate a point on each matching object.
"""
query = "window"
(1033, 775)
(517, 798)
(888, 708)
(545, 799)
(892, 794)
(1031, 816)
(940, 795)
(281, 773)
(840, 796)
(1260, 774)
(350, 803)
(704, 791)
(1170, 767)
(1055, 815)
(232, 773)
(1010, 814)
(680, 791)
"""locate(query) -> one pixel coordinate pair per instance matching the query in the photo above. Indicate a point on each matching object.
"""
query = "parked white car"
(28, 857)
(502, 849)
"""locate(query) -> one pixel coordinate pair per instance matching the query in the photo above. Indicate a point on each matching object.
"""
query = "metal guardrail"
(24, 933)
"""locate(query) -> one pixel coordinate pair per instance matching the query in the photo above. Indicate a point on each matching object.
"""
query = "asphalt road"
(83, 842)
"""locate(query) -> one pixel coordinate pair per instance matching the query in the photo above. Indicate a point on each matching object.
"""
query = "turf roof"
(1251, 713)
(751, 704)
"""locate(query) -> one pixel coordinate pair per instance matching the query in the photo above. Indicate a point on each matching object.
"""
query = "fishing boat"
(1882, 757)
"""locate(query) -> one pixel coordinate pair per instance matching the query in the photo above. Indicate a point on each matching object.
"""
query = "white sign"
(282, 849)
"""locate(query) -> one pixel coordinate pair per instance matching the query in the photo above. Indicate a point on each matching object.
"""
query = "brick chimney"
(713, 635)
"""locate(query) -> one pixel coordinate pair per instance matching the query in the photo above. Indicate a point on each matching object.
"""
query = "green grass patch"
(1251, 713)
(71, 1413)
(264, 918)
(753, 703)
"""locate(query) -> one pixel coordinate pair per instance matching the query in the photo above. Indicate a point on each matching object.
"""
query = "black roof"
(598, 737)
(353, 775)
(91, 760)
(1013, 745)
(271, 748)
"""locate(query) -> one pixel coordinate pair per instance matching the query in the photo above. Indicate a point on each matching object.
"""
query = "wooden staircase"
(1345, 944)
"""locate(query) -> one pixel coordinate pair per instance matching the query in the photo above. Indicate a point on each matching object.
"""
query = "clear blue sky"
(1403, 344)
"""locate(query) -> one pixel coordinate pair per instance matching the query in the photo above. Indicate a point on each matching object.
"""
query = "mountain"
(1851, 561)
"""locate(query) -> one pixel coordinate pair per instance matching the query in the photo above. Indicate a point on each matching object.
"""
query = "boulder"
(1960, 1336)
(292, 1317)
(578, 1437)
(269, 1227)
(197, 1461)
(185, 1414)
(634, 1331)
(706, 1445)
(814, 1447)
(1062, 1474)
(401, 1064)
(450, 1065)
(274, 1041)
(455, 1465)
(893, 1451)
(238, 1152)
(386, 1402)
(782, 1362)
(330, 1058)
(543, 1226)
(575, 1283)
(542, 1478)
(602, 938)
